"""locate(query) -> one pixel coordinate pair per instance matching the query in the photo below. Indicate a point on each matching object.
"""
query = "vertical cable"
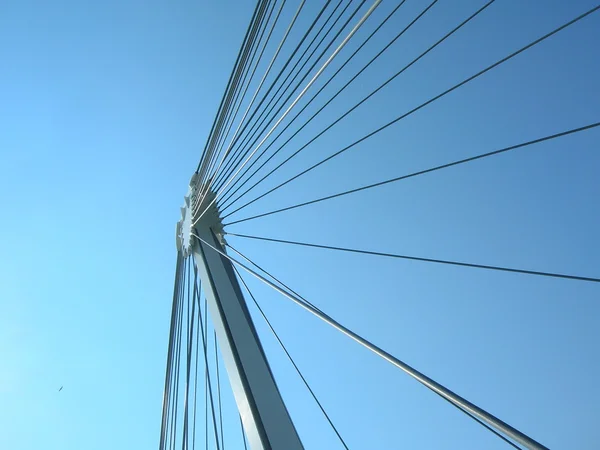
(212, 404)
(173, 439)
(196, 299)
(232, 96)
(168, 371)
(244, 42)
(191, 319)
(205, 374)
(243, 434)
(219, 391)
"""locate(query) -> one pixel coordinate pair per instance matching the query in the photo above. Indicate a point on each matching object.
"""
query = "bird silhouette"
(60, 389)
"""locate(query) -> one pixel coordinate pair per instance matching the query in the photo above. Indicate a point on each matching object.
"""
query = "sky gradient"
(104, 111)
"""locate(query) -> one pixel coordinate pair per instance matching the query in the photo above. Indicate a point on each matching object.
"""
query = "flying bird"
(60, 389)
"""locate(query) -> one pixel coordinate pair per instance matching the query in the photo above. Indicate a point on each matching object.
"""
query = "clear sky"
(104, 110)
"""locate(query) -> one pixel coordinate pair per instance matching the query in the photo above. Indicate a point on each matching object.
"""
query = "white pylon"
(265, 418)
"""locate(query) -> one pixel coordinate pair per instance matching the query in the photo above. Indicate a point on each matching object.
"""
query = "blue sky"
(104, 109)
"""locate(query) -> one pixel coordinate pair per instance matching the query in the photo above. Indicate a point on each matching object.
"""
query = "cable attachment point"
(195, 202)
